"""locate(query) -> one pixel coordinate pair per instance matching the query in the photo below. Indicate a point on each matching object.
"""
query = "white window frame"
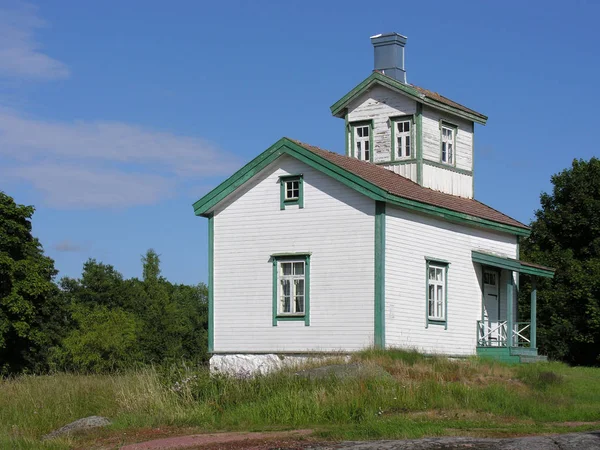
(293, 279)
(289, 187)
(402, 136)
(439, 314)
(448, 144)
(362, 145)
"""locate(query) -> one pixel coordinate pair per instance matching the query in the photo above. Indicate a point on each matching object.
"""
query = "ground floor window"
(291, 287)
(437, 291)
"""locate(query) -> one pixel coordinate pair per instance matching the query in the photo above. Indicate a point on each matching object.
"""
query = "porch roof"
(515, 265)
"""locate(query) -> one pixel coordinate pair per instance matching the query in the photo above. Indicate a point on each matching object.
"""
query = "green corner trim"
(379, 321)
(204, 206)
(346, 131)
(275, 258)
(514, 265)
(211, 278)
(419, 142)
(339, 107)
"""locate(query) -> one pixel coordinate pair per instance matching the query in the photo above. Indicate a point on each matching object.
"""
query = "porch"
(500, 333)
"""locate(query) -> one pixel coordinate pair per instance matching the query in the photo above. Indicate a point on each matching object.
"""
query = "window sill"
(291, 318)
(440, 322)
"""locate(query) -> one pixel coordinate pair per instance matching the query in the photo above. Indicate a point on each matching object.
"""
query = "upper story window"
(401, 138)
(292, 191)
(362, 141)
(448, 144)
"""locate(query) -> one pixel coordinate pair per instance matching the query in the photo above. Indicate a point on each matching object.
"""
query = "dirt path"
(297, 440)
(279, 439)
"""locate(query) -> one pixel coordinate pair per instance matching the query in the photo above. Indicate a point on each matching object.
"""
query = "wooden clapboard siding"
(408, 170)
(379, 104)
(410, 238)
(336, 225)
(445, 180)
(441, 179)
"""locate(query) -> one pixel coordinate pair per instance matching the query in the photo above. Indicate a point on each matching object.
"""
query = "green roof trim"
(515, 265)
(338, 108)
(285, 146)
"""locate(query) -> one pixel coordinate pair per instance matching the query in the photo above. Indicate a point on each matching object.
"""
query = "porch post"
(533, 331)
(509, 309)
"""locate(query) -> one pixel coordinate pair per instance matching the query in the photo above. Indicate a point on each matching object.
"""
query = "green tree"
(105, 340)
(566, 235)
(33, 314)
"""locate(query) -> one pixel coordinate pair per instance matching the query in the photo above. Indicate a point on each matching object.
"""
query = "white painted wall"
(336, 226)
(380, 104)
(406, 170)
(431, 137)
(444, 180)
(410, 238)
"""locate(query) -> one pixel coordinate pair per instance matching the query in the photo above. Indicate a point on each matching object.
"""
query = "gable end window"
(402, 139)
(362, 140)
(291, 288)
(448, 143)
(437, 292)
(291, 191)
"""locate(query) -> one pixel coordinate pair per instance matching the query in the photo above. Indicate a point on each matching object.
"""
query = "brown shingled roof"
(440, 98)
(403, 187)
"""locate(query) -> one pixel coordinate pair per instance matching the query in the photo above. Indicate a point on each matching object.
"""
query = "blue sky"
(116, 116)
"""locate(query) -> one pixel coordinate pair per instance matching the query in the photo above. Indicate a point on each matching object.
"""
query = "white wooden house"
(314, 252)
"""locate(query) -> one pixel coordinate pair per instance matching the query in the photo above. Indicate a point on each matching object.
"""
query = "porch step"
(512, 355)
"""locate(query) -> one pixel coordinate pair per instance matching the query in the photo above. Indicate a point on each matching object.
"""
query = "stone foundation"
(248, 365)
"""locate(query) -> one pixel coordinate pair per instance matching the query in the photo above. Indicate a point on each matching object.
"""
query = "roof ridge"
(413, 185)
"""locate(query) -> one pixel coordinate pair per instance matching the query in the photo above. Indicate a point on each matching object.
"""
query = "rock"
(344, 371)
(79, 425)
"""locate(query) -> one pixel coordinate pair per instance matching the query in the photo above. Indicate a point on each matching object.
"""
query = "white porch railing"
(495, 334)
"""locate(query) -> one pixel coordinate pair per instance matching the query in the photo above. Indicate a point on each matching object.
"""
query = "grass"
(420, 397)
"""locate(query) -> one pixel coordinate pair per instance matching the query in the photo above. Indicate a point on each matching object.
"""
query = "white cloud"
(20, 54)
(97, 163)
(68, 186)
(68, 246)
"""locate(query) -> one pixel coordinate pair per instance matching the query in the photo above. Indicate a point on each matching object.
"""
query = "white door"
(491, 308)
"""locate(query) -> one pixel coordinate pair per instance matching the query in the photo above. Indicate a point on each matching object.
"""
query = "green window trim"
(361, 123)
(393, 121)
(446, 124)
(296, 201)
(276, 258)
(436, 262)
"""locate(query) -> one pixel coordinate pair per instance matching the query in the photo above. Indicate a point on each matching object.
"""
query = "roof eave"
(205, 206)
(338, 109)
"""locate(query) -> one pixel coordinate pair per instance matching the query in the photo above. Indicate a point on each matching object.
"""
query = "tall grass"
(432, 396)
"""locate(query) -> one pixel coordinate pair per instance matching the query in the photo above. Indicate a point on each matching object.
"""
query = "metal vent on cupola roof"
(389, 55)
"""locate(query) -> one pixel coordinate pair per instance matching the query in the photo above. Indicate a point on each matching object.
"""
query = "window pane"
(298, 268)
(286, 268)
(400, 127)
(432, 273)
(399, 145)
(406, 126)
(431, 292)
(407, 145)
(438, 274)
(359, 131)
(443, 151)
(366, 131)
(299, 303)
(439, 295)
(286, 304)
(366, 146)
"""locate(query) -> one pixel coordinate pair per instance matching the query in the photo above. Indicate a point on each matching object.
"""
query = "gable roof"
(417, 93)
(371, 180)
